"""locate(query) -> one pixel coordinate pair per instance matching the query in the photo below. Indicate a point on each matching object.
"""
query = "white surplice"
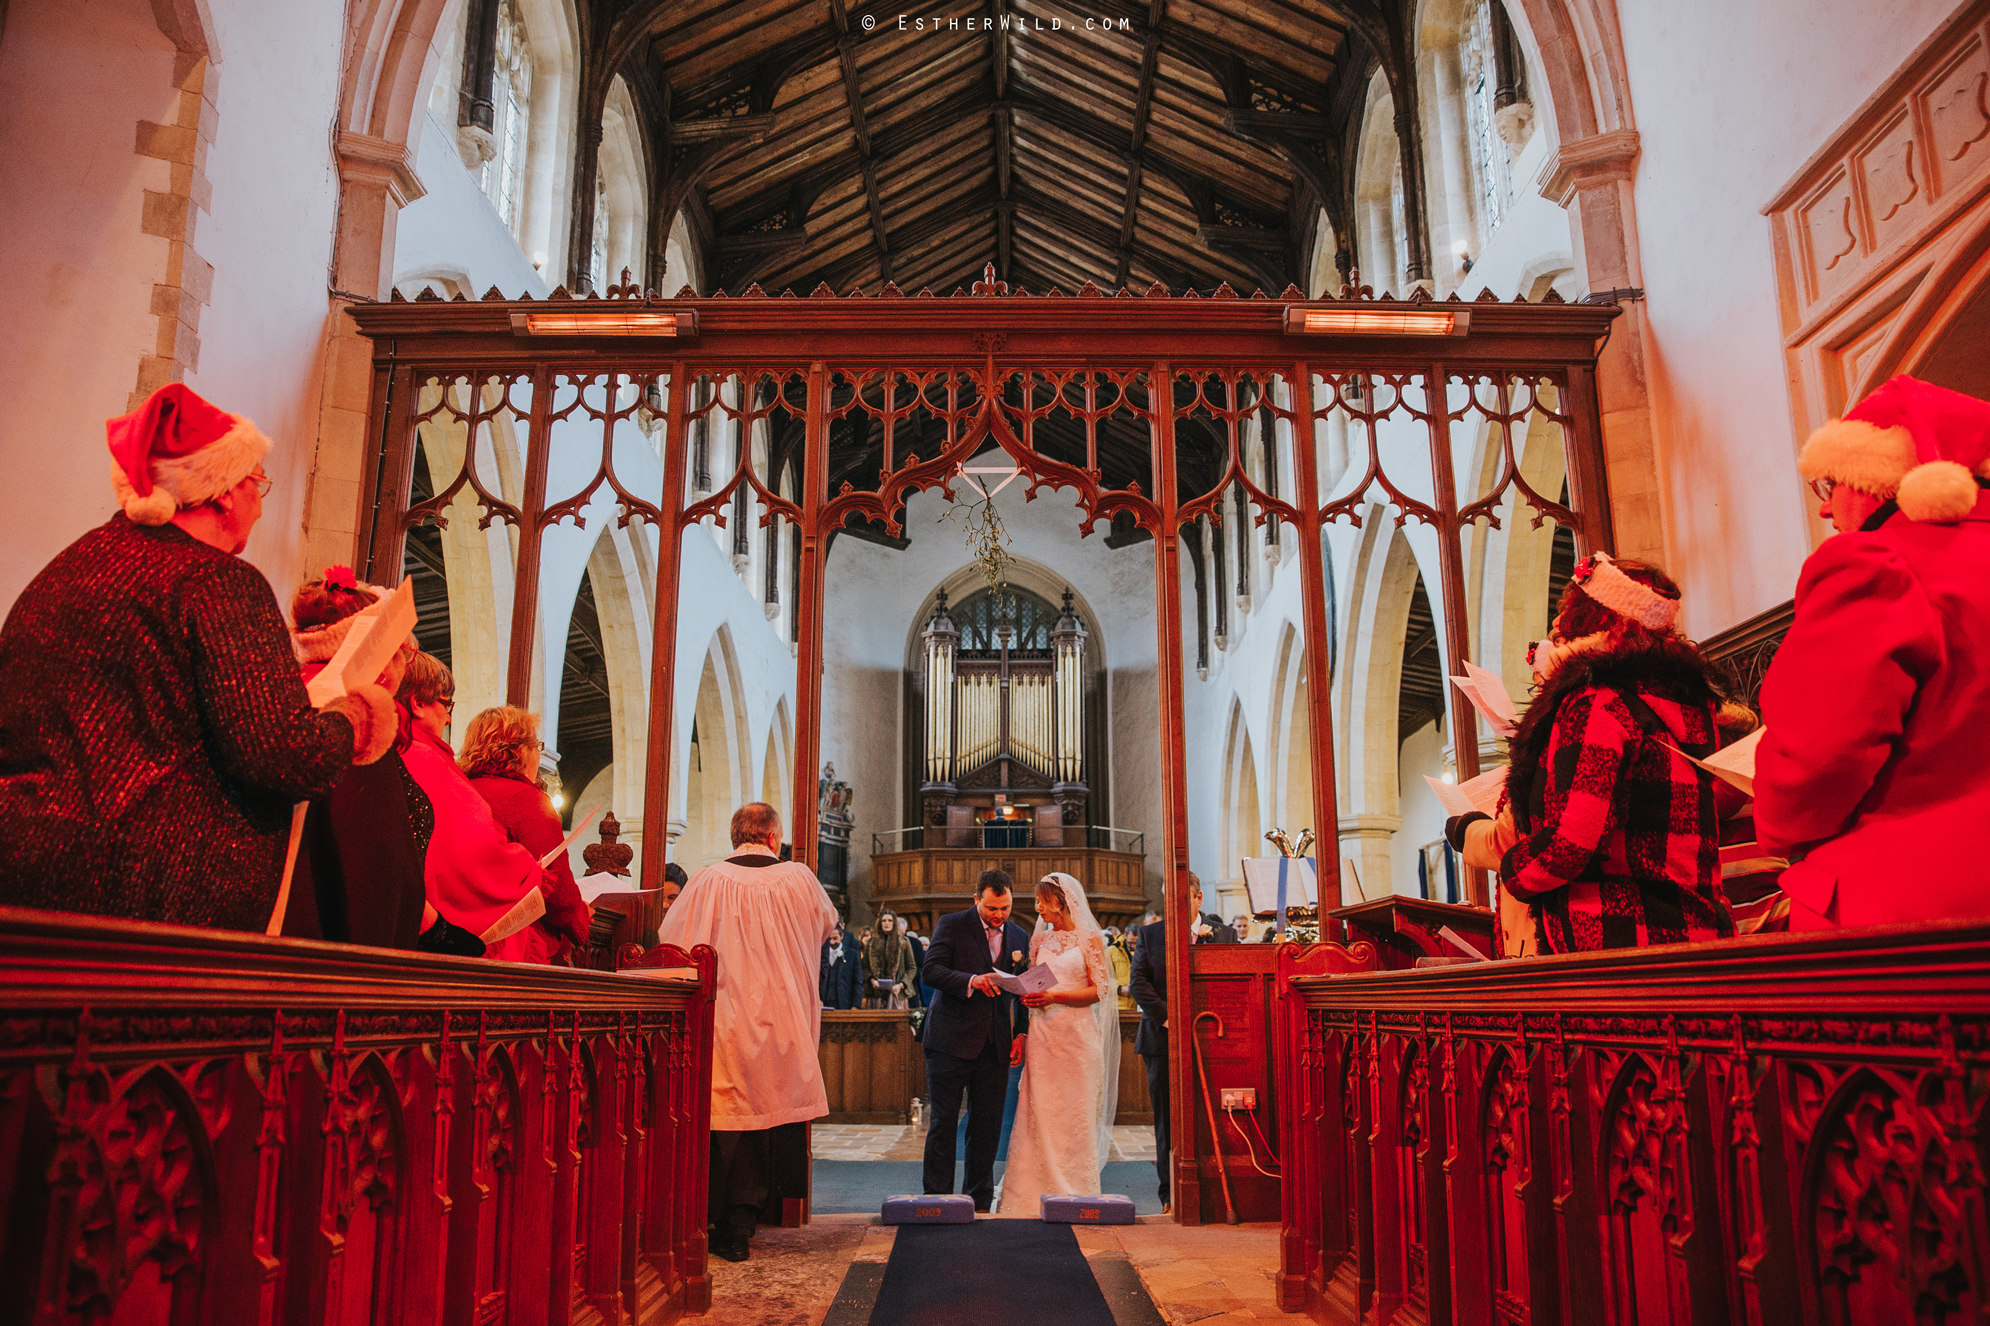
(767, 924)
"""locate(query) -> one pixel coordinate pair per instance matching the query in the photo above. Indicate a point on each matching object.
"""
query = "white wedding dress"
(1069, 1089)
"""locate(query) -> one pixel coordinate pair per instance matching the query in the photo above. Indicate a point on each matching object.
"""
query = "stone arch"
(1243, 814)
(1368, 689)
(623, 221)
(623, 614)
(1509, 570)
(717, 775)
(479, 564)
(1290, 759)
(778, 771)
(553, 30)
(1378, 208)
(1458, 224)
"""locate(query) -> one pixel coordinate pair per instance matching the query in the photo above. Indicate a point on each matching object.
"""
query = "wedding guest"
(154, 735)
(485, 888)
(674, 880)
(1119, 956)
(1613, 837)
(766, 919)
(889, 966)
(1872, 774)
(1210, 928)
(973, 1034)
(1149, 983)
(501, 757)
(358, 877)
(841, 982)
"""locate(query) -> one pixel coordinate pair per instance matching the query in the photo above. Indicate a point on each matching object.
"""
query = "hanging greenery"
(986, 537)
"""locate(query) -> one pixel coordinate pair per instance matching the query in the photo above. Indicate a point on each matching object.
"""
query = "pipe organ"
(1005, 704)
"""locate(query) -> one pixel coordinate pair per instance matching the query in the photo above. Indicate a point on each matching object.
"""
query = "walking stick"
(275, 926)
(1209, 1107)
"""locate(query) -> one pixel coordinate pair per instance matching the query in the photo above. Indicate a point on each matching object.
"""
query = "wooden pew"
(1774, 1131)
(203, 1125)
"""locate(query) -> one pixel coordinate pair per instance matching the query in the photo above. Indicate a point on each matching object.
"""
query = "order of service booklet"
(1034, 981)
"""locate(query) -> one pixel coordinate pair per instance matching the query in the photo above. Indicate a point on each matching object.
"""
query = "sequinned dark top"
(153, 734)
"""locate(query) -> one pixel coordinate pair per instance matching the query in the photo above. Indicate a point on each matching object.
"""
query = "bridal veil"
(1105, 1013)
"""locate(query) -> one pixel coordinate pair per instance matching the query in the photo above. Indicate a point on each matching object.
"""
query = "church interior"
(1135, 439)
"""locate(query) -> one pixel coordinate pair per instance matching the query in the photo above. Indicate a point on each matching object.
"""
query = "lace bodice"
(1078, 958)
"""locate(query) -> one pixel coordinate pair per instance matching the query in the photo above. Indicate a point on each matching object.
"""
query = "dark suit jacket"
(959, 1025)
(842, 982)
(1150, 987)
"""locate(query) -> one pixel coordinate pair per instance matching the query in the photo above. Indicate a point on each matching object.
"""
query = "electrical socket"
(1240, 1098)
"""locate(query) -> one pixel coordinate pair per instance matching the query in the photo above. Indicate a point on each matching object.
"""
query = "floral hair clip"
(341, 576)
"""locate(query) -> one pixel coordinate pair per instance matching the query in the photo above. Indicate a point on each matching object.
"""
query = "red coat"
(1877, 757)
(526, 815)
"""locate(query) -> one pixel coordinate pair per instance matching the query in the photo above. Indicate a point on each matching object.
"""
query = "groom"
(974, 1033)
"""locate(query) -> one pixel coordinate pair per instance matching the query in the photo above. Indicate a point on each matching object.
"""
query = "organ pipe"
(942, 638)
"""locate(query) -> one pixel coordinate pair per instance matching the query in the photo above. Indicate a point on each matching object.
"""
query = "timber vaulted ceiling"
(1186, 142)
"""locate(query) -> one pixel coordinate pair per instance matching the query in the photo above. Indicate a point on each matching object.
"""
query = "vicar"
(766, 919)
(973, 1034)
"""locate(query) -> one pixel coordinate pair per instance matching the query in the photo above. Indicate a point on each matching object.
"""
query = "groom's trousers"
(985, 1080)
(1157, 1092)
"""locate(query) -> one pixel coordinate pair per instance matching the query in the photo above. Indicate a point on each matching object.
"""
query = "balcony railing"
(207, 1126)
(1773, 1131)
(917, 837)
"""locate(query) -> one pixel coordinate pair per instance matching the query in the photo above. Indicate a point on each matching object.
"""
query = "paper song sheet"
(1734, 763)
(1489, 696)
(600, 886)
(571, 839)
(1479, 794)
(1034, 981)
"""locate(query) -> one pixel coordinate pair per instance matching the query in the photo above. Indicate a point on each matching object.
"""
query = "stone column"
(1364, 840)
(1591, 177)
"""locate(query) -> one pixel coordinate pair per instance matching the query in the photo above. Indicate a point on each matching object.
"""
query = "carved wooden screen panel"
(1662, 1157)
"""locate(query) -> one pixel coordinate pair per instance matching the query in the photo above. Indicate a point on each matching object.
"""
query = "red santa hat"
(176, 450)
(1921, 445)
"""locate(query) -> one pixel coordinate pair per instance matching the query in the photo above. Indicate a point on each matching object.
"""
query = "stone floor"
(1218, 1275)
(863, 1141)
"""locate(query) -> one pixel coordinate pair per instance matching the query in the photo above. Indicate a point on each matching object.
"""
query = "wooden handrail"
(1774, 1130)
(201, 1125)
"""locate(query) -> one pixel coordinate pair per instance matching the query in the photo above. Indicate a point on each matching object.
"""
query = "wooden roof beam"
(853, 91)
(1143, 104)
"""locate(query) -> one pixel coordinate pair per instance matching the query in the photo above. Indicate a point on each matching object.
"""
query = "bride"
(1070, 1085)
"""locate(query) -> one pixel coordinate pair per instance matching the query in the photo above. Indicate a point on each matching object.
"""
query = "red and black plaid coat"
(1620, 837)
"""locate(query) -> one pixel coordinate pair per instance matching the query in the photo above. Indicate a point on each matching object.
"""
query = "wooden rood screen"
(826, 412)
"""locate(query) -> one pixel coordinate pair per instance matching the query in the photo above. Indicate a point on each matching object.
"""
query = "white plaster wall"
(454, 229)
(1724, 122)
(872, 597)
(76, 77)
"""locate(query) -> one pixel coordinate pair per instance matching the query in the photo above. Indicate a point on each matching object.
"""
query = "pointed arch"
(1289, 762)
(1368, 692)
(777, 777)
(1243, 816)
(715, 757)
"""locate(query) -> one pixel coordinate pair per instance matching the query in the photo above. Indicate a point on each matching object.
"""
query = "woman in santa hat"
(1873, 774)
(1609, 836)
(154, 734)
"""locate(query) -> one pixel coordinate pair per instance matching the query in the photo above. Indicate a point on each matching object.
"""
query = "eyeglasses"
(535, 744)
(1823, 488)
(263, 484)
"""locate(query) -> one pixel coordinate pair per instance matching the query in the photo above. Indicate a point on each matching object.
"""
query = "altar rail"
(1767, 1131)
(201, 1125)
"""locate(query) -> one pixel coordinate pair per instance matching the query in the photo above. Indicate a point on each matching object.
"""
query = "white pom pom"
(155, 508)
(1939, 491)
